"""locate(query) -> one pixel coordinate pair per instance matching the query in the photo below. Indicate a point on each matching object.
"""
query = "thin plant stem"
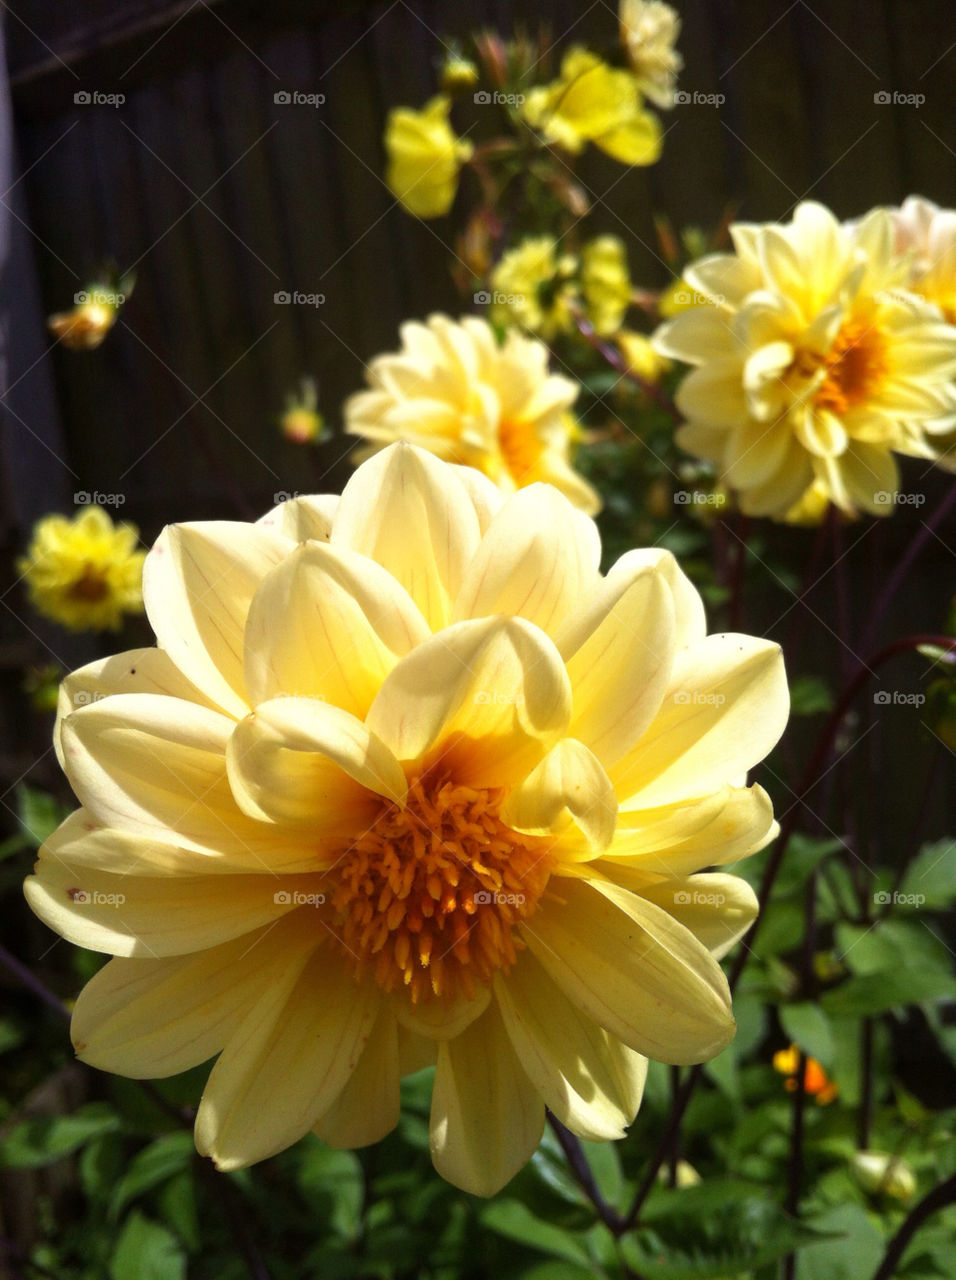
(866, 1084)
(577, 1161)
(617, 361)
(937, 1199)
(795, 1167)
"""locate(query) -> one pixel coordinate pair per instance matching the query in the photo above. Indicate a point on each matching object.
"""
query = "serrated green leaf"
(146, 1250)
(43, 1139)
(808, 1027)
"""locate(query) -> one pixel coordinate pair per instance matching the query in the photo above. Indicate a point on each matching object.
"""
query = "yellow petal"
(492, 693)
(198, 581)
(154, 1018)
(620, 671)
(591, 1081)
(405, 489)
(535, 562)
(717, 908)
(487, 1117)
(725, 708)
(328, 623)
(568, 786)
(303, 518)
(636, 141)
(286, 1064)
(300, 761)
(634, 970)
(367, 1109)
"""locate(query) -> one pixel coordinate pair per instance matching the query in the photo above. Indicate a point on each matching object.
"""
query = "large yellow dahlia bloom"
(407, 781)
(813, 360)
(455, 390)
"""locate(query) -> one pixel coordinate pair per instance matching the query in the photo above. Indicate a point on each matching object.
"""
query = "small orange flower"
(816, 1082)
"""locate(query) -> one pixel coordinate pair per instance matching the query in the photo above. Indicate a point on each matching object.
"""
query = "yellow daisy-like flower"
(926, 235)
(649, 31)
(424, 157)
(533, 287)
(407, 781)
(605, 283)
(813, 363)
(454, 390)
(594, 102)
(85, 573)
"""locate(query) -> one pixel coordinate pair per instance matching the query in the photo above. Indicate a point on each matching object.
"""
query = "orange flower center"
(853, 368)
(91, 586)
(430, 896)
(521, 449)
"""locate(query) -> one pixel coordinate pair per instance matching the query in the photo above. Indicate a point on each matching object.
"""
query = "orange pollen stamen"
(853, 368)
(521, 449)
(431, 895)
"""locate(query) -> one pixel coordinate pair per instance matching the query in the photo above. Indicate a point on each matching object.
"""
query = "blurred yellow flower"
(678, 297)
(424, 157)
(408, 782)
(813, 363)
(811, 507)
(533, 287)
(85, 573)
(605, 283)
(301, 421)
(455, 390)
(87, 324)
(880, 1173)
(458, 74)
(649, 31)
(640, 356)
(816, 1082)
(594, 102)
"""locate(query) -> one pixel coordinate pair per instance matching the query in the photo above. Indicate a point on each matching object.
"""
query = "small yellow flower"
(533, 287)
(458, 74)
(816, 1082)
(593, 102)
(455, 390)
(641, 356)
(408, 782)
(811, 508)
(301, 421)
(880, 1173)
(649, 31)
(605, 283)
(424, 157)
(87, 324)
(813, 363)
(85, 573)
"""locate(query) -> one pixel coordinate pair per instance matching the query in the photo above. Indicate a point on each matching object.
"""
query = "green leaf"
(147, 1251)
(932, 874)
(40, 813)
(807, 1026)
(809, 696)
(511, 1219)
(336, 1176)
(892, 943)
(43, 1139)
(856, 1252)
(165, 1157)
(868, 994)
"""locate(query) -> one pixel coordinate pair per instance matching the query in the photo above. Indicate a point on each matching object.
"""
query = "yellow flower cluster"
(816, 360)
(84, 573)
(538, 288)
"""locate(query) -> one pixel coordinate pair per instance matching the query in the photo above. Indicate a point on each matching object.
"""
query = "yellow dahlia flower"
(649, 31)
(533, 287)
(594, 102)
(813, 363)
(84, 573)
(454, 390)
(926, 235)
(424, 157)
(407, 781)
(605, 283)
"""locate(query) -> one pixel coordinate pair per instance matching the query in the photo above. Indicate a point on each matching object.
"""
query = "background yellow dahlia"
(813, 362)
(407, 781)
(455, 390)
